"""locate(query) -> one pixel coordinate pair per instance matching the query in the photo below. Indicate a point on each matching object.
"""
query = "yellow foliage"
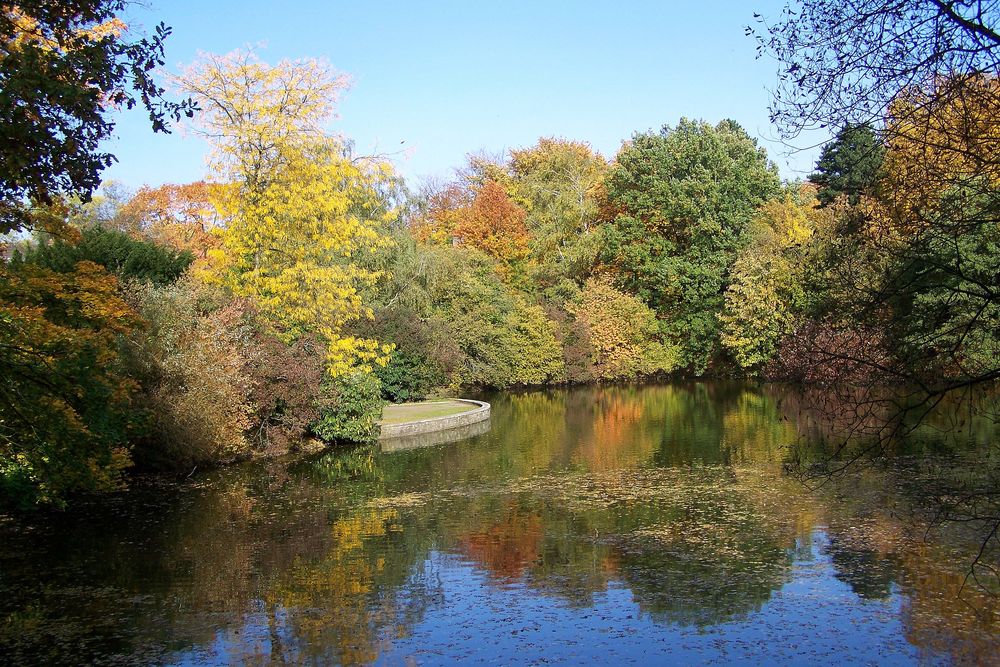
(251, 111)
(299, 212)
(27, 31)
(935, 142)
(765, 291)
(624, 335)
(789, 223)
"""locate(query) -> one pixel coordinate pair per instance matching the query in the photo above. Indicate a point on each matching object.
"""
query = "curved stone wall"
(480, 413)
(436, 438)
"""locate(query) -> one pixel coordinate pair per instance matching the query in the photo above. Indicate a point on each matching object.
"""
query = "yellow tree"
(940, 141)
(299, 211)
(766, 292)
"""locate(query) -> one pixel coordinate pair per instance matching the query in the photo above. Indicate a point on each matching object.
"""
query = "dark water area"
(635, 525)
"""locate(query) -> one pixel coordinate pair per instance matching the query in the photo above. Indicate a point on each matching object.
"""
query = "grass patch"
(409, 412)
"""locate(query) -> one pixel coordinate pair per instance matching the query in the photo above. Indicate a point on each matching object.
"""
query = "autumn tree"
(438, 209)
(923, 73)
(180, 216)
(65, 414)
(623, 333)
(558, 181)
(299, 208)
(66, 67)
(768, 293)
(843, 64)
(682, 200)
(494, 224)
(935, 221)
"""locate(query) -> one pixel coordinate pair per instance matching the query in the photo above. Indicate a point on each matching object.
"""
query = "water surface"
(622, 525)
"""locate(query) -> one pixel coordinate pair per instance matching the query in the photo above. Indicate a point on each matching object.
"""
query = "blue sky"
(435, 81)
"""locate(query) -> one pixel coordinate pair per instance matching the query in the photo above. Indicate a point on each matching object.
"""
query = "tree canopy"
(682, 200)
(65, 67)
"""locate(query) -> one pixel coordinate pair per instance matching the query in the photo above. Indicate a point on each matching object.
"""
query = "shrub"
(192, 364)
(425, 355)
(285, 385)
(351, 407)
(119, 253)
(218, 382)
(409, 376)
(623, 332)
(827, 353)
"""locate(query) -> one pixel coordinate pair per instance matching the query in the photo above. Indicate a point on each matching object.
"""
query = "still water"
(647, 525)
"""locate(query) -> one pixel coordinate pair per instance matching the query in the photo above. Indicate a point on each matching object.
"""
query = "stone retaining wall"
(436, 438)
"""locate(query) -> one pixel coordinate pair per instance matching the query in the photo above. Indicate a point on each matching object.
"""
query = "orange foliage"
(494, 224)
(64, 409)
(181, 216)
(507, 549)
(444, 209)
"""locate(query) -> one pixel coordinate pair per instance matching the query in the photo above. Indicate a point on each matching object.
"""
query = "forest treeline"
(301, 284)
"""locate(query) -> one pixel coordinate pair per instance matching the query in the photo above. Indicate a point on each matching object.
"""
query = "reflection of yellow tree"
(534, 430)
(753, 432)
(943, 612)
(330, 603)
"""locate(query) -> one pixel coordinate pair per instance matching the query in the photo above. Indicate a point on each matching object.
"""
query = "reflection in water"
(435, 437)
(621, 524)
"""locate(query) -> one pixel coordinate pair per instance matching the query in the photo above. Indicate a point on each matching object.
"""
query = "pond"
(624, 525)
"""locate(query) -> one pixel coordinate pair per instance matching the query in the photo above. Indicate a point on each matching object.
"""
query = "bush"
(425, 355)
(351, 407)
(830, 354)
(409, 376)
(623, 332)
(285, 381)
(192, 365)
(218, 383)
(116, 251)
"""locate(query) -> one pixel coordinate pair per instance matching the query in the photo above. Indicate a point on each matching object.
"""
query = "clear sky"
(435, 81)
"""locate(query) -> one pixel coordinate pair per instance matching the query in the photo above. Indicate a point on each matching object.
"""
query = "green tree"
(119, 253)
(848, 165)
(941, 287)
(449, 306)
(680, 202)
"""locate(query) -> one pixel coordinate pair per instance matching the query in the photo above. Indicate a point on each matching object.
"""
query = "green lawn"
(408, 412)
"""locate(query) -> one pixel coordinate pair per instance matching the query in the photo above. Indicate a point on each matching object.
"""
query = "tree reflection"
(676, 493)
